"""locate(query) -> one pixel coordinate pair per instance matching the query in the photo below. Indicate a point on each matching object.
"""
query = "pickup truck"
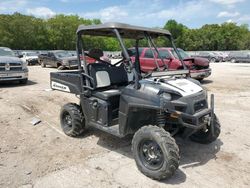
(198, 67)
(12, 68)
(31, 58)
(59, 59)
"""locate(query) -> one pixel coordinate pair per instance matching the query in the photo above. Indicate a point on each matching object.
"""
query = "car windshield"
(183, 54)
(62, 54)
(6, 52)
(31, 54)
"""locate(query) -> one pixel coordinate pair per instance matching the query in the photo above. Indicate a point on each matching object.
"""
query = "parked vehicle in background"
(222, 55)
(239, 56)
(31, 58)
(211, 56)
(58, 58)
(198, 67)
(17, 53)
(12, 68)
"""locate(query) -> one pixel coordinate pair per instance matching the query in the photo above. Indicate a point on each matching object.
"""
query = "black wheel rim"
(151, 154)
(67, 121)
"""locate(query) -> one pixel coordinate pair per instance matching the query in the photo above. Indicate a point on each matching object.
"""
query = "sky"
(149, 13)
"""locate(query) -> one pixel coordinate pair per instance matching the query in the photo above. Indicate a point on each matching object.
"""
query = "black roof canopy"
(125, 30)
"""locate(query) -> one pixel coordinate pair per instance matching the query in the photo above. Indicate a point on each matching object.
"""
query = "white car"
(31, 58)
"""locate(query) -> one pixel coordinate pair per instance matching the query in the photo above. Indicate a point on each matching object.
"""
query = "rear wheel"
(205, 136)
(72, 120)
(156, 153)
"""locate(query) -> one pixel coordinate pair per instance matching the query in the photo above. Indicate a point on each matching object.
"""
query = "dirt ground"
(42, 156)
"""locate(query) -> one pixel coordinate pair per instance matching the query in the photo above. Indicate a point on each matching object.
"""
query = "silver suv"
(11, 67)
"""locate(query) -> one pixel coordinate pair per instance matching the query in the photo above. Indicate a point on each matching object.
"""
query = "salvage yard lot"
(42, 156)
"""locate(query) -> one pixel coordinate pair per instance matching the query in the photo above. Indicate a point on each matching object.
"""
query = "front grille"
(200, 105)
(187, 120)
(15, 68)
(12, 67)
(15, 64)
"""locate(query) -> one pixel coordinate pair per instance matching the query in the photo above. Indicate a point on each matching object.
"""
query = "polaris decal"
(58, 86)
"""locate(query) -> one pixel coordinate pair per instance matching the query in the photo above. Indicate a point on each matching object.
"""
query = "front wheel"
(212, 60)
(233, 60)
(206, 136)
(72, 120)
(156, 153)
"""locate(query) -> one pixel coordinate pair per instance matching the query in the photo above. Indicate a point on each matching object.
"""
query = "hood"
(182, 86)
(9, 59)
(199, 61)
(32, 57)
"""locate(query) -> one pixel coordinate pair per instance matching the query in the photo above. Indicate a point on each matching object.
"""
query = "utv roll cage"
(120, 31)
(119, 100)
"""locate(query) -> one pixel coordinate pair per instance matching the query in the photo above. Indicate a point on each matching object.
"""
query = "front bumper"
(72, 66)
(196, 121)
(13, 75)
(199, 74)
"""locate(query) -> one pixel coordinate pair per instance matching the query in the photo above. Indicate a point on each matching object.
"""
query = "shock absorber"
(161, 118)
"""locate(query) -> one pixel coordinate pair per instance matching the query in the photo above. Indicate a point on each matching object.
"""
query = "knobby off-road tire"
(155, 152)
(72, 120)
(205, 136)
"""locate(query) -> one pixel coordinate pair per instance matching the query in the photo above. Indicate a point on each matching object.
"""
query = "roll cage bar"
(120, 31)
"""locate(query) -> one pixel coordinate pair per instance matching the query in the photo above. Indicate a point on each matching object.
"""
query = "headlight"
(166, 96)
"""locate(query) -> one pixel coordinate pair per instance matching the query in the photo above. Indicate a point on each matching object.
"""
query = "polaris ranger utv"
(121, 100)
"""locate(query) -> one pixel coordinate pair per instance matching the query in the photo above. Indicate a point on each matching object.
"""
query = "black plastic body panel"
(137, 108)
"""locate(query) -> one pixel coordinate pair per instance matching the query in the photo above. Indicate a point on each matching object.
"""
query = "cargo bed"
(69, 81)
